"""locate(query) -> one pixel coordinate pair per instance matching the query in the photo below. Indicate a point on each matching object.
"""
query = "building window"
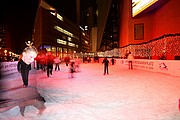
(61, 42)
(139, 31)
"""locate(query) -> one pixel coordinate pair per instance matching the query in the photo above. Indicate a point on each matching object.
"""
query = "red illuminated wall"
(165, 20)
(124, 22)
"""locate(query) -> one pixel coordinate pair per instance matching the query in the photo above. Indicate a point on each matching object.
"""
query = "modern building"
(89, 24)
(147, 28)
(54, 32)
(108, 25)
(150, 26)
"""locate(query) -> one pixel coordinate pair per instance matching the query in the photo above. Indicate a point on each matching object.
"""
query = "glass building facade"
(53, 32)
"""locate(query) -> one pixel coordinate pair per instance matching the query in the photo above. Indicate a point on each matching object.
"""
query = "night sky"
(19, 16)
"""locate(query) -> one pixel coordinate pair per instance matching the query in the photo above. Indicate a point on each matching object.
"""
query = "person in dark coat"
(49, 63)
(24, 68)
(24, 64)
(112, 60)
(106, 63)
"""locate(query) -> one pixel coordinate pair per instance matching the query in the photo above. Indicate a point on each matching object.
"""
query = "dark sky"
(19, 16)
(68, 7)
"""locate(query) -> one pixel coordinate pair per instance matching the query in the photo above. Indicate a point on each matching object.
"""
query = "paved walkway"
(122, 95)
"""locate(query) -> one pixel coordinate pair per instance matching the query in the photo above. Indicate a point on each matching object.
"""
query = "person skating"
(106, 63)
(112, 60)
(49, 63)
(71, 69)
(57, 62)
(24, 64)
(130, 60)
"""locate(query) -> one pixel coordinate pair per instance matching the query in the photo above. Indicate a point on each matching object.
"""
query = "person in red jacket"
(106, 63)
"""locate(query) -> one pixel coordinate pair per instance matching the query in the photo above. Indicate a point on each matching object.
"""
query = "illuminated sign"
(139, 5)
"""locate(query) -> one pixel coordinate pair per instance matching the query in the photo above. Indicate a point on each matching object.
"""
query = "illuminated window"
(48, 49)
(59, 17)
(71, 44)
(53, 13)
(10, 53)
(61, 42)
(65, 50)
(53, 49)
(81, 28)
(69, 38)
(59, 49)
(63, 31)
(86, 42)
(86, 27)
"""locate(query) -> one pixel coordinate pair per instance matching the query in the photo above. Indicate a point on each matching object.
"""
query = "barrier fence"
(167, 45)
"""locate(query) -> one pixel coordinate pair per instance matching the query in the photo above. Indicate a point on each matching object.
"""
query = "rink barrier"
(171, 67)
(7, 68)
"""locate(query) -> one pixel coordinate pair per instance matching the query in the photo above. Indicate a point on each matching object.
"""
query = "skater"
(43, 62)
(71, 69)
(24, 64)
(67, 60)
(49, 63)
(57, 61)
(130, 59)
(112, 60)
(77, 65)
(106, 63)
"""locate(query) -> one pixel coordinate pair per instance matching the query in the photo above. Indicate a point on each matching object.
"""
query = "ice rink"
(123, 94)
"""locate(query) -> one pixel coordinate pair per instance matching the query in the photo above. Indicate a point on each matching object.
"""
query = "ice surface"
(122, 95)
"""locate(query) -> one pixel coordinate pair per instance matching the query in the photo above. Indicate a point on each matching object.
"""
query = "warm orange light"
(5, 51)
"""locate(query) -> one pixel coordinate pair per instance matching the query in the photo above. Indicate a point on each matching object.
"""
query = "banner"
(8, 68)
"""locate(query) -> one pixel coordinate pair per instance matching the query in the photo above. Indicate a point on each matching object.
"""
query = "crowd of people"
(46, 62)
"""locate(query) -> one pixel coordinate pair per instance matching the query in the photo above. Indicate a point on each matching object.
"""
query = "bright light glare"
(140, 5)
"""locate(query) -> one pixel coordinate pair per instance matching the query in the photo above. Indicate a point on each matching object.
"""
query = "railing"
(168, 44)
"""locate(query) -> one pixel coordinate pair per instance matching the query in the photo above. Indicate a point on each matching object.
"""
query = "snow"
(123, 94)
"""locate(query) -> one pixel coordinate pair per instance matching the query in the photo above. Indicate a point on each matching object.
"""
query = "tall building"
(6, 47)
(4, 39)
(54, 32)
(110, 36)
(89, 24)
(150, 27)
(147, 28)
